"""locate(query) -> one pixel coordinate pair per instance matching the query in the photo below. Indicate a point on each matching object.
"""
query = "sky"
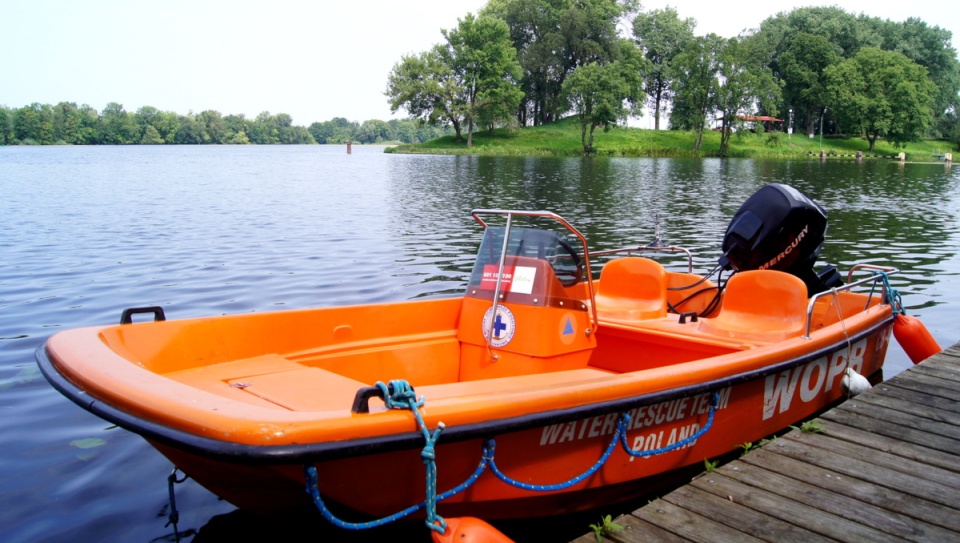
(312, 59)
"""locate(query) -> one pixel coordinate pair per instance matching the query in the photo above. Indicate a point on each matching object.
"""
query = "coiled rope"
(893, 295)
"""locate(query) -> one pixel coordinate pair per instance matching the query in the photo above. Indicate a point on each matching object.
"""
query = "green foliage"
(68, 124)
(604, 527)
(661, 35)
(484, 68)
(598, 95)
(710, 466)
(811, 427)
(806, 40)
(552, 39)
(563, 138)
(697, 67)
(881, 94)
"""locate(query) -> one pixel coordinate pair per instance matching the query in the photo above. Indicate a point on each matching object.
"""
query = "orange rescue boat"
(540, 391)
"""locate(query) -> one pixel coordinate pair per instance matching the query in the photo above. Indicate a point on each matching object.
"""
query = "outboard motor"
(779, 228)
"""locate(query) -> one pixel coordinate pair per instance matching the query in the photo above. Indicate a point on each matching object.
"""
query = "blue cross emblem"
(499, 327)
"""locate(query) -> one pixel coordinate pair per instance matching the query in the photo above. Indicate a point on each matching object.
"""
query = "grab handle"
(127, 316)
(361, 402)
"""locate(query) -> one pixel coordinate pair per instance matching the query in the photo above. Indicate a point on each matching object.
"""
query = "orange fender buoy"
(469, 530)
(914, 337)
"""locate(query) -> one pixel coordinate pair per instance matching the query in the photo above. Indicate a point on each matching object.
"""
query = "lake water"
(89, 231)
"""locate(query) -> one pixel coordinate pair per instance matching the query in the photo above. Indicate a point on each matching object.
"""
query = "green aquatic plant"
(811, 427)
(605, 527)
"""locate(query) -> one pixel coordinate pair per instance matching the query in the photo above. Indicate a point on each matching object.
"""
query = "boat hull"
(379, 477)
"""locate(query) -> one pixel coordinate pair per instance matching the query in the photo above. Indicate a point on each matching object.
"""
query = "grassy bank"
(563, 139)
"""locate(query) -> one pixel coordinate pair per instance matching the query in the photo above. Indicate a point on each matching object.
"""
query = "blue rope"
(625, 421)
(620, 435)
(491, 446)
(310, 472)
(400, 395)
(893, 295)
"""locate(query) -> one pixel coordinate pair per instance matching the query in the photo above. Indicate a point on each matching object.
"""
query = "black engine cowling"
(779, 228)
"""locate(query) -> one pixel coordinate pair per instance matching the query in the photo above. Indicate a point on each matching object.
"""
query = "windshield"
(556, 249)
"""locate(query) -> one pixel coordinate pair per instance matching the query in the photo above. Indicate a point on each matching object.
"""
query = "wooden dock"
(886, 467)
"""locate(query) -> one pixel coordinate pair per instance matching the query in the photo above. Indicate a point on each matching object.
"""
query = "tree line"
(68, 124)
(529, 62)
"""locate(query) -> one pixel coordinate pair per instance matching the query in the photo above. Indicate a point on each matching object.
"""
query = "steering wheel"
(571, 277)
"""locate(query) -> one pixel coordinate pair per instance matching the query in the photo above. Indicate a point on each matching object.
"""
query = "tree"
(553, 38)
(424, 85)
(164, 124)
(695, 74)
(600, 94)
(661, 35)
(264, 129)
(117, 126)
(6, 126)
(950, 127)
(745, 84)
(34, 124)
(336, 130)
(882, 94)
(801, 68)
(931, 48)
(151, 136)
(373, 131)
(212, 126)
(68, 124)
(484, 67)
(191, 131)
(469, 80)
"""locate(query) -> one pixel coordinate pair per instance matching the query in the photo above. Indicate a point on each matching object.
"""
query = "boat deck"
(886, 467)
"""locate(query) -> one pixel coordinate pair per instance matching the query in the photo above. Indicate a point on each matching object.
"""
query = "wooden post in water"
(349, 145)
(823, 155)
(902, 156)
(948, 157)
(859, 156)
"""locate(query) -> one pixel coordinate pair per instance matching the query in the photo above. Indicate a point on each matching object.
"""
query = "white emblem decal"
(504, 325)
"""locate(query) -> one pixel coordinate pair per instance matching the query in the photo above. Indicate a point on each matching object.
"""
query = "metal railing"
(876, 278)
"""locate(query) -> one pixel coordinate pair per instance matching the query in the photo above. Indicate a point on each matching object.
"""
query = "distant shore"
(563, 139)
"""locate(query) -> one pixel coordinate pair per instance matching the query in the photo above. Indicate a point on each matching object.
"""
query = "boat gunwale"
(301, 453)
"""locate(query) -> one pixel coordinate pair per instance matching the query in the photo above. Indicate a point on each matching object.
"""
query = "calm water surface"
(88, 231)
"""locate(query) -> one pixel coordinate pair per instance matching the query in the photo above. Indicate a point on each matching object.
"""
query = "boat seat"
(632, 288)
(760, 306)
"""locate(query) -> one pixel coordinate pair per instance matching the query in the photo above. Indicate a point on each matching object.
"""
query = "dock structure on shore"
(885, 467)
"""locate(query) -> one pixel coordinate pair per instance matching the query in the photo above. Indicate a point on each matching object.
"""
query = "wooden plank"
(922, 387)
(636, 530)
(928, 383)
(947, 372)
(853, 488)
(910, 407)
(893, 445)
(869, 514)
(896, 417)
(860, 468)
(877, 458)
(732, 505)
(897, 431)
(950, 354)
(689, 525)
(798, 522)
(939, 403)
